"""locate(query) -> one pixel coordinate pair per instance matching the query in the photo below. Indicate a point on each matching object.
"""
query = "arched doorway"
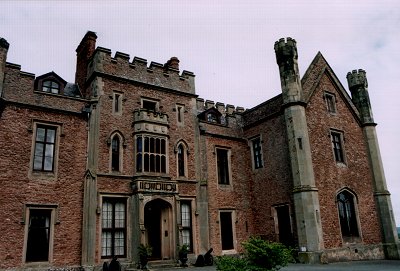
(158, 224)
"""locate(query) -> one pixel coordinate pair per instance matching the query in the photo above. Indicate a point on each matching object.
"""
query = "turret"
(305, 193)
(358, 86)
(286, 57)
(4, 45)
(84, 52)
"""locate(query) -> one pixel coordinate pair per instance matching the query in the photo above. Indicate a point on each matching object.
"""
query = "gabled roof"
(318, 67)
(213, 110)
(52, 75)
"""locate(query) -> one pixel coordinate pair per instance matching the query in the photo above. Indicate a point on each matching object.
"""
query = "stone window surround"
(186, 156)
(347, 240)
(151, 100)
(117, 99)
(122, 145)
(251, 144)
(234, 222)
(332, 132)
(143, 135)
(122, 198)
(330, 102)
(53, 221)
(45, 175)
(229, 154)
(180, 114)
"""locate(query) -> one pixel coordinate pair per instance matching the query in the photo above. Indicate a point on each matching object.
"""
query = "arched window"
(51, 86)
(181, 160)
(115, 153)
(347, 214)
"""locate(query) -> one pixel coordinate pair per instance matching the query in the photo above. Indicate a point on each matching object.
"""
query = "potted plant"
(182, 253)
(144, 252)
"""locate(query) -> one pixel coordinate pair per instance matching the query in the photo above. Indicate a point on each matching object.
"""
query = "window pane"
(107, 215)
(106, 244)
(37, 162)
(163, 164)
(146, 144)
(48, 163)
(40, 132)
(139, 144)
(146, 162)
(119, 215)
(163, 146)
(119, 243)
(50, 135)
(152, 145)
(49, 151)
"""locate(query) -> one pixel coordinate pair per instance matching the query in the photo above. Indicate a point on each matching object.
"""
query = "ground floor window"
(186, 214)
(347, 214)
(113, 236)
(226, 230)
(38, 243)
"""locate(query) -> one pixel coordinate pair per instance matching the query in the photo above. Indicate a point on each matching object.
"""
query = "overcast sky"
(227, 44)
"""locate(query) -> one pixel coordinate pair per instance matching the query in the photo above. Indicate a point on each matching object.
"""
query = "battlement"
(285, 49)
(357, 79)
(156, 74)
(221, 107)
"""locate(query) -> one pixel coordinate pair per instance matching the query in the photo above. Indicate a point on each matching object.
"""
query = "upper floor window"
(330, 100)
(150, 105)
(179, 113)
(113, 233)
(181, 160)
(51, 86)
(223, 166)
(117, 102)
(347, 214)
(45, 140)
(115, 153)
(151, 154)
(257, 153)
(337, 145)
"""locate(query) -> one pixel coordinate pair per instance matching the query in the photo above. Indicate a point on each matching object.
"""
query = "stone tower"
(358, 86)
(305, 193)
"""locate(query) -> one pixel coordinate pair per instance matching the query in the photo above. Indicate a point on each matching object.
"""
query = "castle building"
(128, 154)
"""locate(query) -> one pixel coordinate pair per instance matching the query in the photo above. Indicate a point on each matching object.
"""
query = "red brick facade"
(135, 146)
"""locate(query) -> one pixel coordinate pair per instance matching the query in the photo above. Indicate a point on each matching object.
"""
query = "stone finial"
(4, 44)
(173, 63)
(357, 79)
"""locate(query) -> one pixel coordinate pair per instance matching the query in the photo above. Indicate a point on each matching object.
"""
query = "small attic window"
(51, 86)
(211, 117)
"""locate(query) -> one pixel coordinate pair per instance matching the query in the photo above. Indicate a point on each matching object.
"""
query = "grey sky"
(227, 44)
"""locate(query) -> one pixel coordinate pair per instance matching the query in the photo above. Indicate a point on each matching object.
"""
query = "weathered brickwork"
(332, 177)
(290, 197)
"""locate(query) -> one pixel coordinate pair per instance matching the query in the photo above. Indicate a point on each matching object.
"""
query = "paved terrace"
(384, 265)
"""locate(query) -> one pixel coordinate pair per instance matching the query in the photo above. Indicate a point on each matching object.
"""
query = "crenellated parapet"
(221, 107)
(166, 76)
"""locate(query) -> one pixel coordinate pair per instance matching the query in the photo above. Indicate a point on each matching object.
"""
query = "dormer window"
(211, 117)
(51, 86)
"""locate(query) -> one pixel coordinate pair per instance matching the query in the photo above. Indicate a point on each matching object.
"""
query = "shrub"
(259, 255)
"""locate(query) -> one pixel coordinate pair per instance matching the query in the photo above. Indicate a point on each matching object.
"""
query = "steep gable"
(317, 69)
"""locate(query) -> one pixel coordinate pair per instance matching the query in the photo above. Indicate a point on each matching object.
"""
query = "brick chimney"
(172, 63)
(4, 45)
(84, 52)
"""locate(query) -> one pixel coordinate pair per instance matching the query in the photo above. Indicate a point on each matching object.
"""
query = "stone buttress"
(305, 193)
(358, 86)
